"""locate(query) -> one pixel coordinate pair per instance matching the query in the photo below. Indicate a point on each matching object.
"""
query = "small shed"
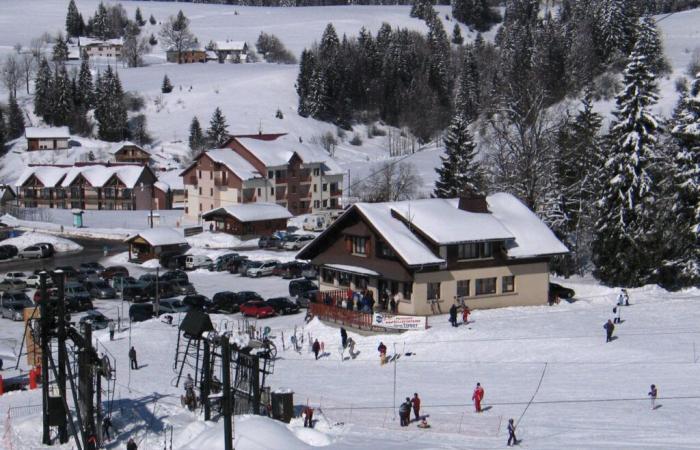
(249, 220)
(151, 243)
(55, 138)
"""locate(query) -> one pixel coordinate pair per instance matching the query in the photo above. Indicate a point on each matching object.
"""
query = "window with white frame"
(485, 286)
(508, 283)
(359, 245)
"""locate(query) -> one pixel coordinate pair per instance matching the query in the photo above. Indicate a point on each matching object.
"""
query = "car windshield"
(254, 264)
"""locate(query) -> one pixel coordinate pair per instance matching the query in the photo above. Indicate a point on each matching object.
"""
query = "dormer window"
(475, 250)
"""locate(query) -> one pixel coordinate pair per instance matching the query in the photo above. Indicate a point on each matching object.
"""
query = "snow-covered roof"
(5, 189)
(159, 236)
(352, 269)
(235, 163)
(49, 176)
(278, 152)
(163, 187)
(230, 45)
(97, 175)
(406, 244)
(84, 41)
(251, 212)
(114, 148)
(441, 221)
(532, 236)
(47, 133)
(172, 178)
(211, 55)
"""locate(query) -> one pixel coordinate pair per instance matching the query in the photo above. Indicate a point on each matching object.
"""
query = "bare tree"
(37, 47)
(391, 182)
(175, 35)
(11, 73)
(134, 47)
(28, 65)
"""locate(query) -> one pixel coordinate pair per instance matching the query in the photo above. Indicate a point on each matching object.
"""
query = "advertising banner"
(399, 322)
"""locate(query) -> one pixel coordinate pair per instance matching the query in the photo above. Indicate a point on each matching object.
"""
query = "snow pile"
(151, 264)
(60, 245)
(219, 241)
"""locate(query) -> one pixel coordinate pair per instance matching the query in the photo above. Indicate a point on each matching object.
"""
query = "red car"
(257, 309)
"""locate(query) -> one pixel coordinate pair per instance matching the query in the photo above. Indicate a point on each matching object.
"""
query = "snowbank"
(219, 241)
(27, 239)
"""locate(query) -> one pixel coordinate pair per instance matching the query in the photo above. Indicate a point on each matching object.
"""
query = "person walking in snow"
(405, 412)
(609, 328)
(617, 311)
(343, 337)
(465, 314)
(106, 425)
(652, 395)
(415, 402)
(316, 347)
(477, 397)
(112, 326)
(453, 315)
(382, 353)
(132, 358)
(131, 445)
(308, 417)
(512, 440)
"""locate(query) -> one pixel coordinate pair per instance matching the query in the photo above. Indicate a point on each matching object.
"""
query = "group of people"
(363, 301)
(623, 299)
(406, 407)
(453, 315)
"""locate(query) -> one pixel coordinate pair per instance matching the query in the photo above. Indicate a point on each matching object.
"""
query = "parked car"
(113, 271)
(139, 312)
(14, 309)
(198, 262)
(181, 287)
(135, 294)
(15, 297)
(118, 282)
(95, 318)
(179, 275)
(235, 264)
(77, 297)
(285, 238)
(8, 251)
(557, 290)
(32, 252)
(34, 281)
(283, 305)
(257, 308)
(91, 266)
(197, 301)
(222, 262)
(12, 285)
(298, 242)
(268, 241)
(171, 306)
(88, 275)
(165, 289)
(16, 276)
(100, 289)
(245, 296)
(177, 262)
(48, 248)
(68, 272)
(166, 258)
(226, 301)
(263, 270)
(243, 268)
(297, 287)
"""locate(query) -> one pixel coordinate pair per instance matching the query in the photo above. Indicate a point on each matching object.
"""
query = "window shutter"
(348, 244)
(368, 246)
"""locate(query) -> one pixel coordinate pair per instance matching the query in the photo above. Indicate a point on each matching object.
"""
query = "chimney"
(473, 203)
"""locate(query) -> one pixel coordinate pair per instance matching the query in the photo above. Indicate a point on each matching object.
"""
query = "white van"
(320, 220)
(193, 262)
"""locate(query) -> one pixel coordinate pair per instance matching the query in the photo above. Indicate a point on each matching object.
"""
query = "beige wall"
(531, 288)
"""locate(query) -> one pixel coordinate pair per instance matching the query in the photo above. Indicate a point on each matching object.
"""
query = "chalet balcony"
(336, 193)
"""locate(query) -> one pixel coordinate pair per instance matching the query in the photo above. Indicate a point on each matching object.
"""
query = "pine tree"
(100, 24)
(3, 136)
(139, 18)
(460, 172)
(649, 44)
(307, 66)
(626, 243)
(62, 98)
(167, 86)
(15, 119)
(152, 20)
(74, 21)
(613, 25)
(422, 9)
(217, 134)
(43, 89)
(152, 41)
(110, 111)
(60, 50)
(457, 35)
(197, 141)
(467, 102)
(439, 60)
(86, 91)
(683, 262)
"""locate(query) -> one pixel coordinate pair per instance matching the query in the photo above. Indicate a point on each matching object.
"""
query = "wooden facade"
(186, 56)
(132, 153)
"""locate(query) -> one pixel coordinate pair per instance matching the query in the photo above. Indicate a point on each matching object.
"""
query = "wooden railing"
(326, 306)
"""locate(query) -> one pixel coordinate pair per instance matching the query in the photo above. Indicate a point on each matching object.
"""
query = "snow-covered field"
(585, 393)
(60, 245)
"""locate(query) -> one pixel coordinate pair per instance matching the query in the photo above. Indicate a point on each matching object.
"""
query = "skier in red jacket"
(478, 396)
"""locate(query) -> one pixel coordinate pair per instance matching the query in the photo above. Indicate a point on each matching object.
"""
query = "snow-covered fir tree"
(626, 243)
(110, 111)
(683, 263)
(613, 26)
(439, 60)
(460, 172)
(99, 22)
(457, 38)
(42, 88)
(467, 101)
(74, 21)
(3, 133)
(649, 45)
(15, 119)
(60, 49)
(61, 99)
(422, 9)
(86, 90)
(138, 18)
(167, 86)
(307, 65)
(196, 140)
(217, 133)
